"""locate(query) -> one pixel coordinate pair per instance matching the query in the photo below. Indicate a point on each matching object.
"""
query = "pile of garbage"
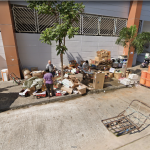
(132, 79)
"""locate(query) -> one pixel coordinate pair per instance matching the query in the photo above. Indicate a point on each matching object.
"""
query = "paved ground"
(73, 125)
(9, 95)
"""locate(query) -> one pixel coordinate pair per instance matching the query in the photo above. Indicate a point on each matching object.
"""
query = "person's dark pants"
(49, 89)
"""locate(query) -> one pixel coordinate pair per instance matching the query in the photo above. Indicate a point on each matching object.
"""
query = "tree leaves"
(140, 41)
(129, 35)
(67, 11)
(126, 35)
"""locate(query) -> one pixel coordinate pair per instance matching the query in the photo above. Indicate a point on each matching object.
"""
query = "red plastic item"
(58, 94)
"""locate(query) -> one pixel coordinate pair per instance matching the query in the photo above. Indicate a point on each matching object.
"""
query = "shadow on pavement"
(6, 99)
(6, 88)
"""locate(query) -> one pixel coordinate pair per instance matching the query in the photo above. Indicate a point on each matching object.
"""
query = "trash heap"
(75, 79)
(102, 61)
(132, 79)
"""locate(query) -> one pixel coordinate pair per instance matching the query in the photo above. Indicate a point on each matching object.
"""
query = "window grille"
(140, 26)
(106, 26)
(25, 20)
(28, 20)
(45, 21)
(78, 24)
(90, 24)
(120, 23)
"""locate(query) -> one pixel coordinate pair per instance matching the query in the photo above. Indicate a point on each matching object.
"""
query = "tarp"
(33, 81)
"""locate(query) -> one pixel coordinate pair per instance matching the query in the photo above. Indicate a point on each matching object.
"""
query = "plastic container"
(142, 81)
(144, 74)
(4, 73)
(147, 83)
(148, 76)
(149, 68)
(133, 76)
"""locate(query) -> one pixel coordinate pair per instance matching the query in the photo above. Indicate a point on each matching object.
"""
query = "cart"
(15, 78)
(130, 120)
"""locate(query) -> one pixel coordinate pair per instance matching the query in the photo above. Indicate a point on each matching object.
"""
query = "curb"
(64, 98)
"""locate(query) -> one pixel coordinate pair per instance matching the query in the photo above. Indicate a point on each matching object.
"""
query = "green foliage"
(126, 36)
(139, 42)
(67, 11)
(129, 35)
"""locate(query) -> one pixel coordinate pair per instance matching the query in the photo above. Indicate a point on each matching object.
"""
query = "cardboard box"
(79, 76)
(109, 53)
(118, 75)
(38, 74)
(98, 80)
(82, 89)
(72, 76)
(91, 62)
(105, 58)
(98, 58)
(69, 90)
(109, 74)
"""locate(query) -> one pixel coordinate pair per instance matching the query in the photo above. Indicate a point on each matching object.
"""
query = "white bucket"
(4, 73)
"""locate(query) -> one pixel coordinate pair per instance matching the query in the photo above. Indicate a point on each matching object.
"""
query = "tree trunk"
(62, 71)
(127, 62)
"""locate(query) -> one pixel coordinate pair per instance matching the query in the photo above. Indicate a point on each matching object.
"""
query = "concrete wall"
(107, 8)
(3, 64)
(145, 13)
(33, 53)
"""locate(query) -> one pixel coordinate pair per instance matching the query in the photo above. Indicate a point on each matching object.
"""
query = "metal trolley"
(130, 120)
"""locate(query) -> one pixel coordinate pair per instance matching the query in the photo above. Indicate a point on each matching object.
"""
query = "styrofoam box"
(133, 76)
(125, 81)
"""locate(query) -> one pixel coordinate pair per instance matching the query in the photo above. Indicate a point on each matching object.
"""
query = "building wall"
(145, 13)
(107, 8)
(3, 64)
(33, 53)
(146, 28)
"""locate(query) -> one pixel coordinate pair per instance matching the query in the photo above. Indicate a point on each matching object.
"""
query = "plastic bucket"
(149, 68)
(147, 83)
(144, 74)
(148, 76)
(142, 81)
(4, 73)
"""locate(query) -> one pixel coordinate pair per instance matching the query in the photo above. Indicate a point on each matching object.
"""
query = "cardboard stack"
(103, 60)
(103, 55)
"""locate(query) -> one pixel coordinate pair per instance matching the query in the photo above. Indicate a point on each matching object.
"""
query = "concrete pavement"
(73, 124)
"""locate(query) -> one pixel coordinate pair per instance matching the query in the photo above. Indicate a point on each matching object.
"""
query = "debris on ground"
(103, 69)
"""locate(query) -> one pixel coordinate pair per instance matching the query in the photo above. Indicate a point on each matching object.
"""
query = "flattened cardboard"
(69, 90)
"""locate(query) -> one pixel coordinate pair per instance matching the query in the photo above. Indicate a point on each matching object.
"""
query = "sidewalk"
(9, 97)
